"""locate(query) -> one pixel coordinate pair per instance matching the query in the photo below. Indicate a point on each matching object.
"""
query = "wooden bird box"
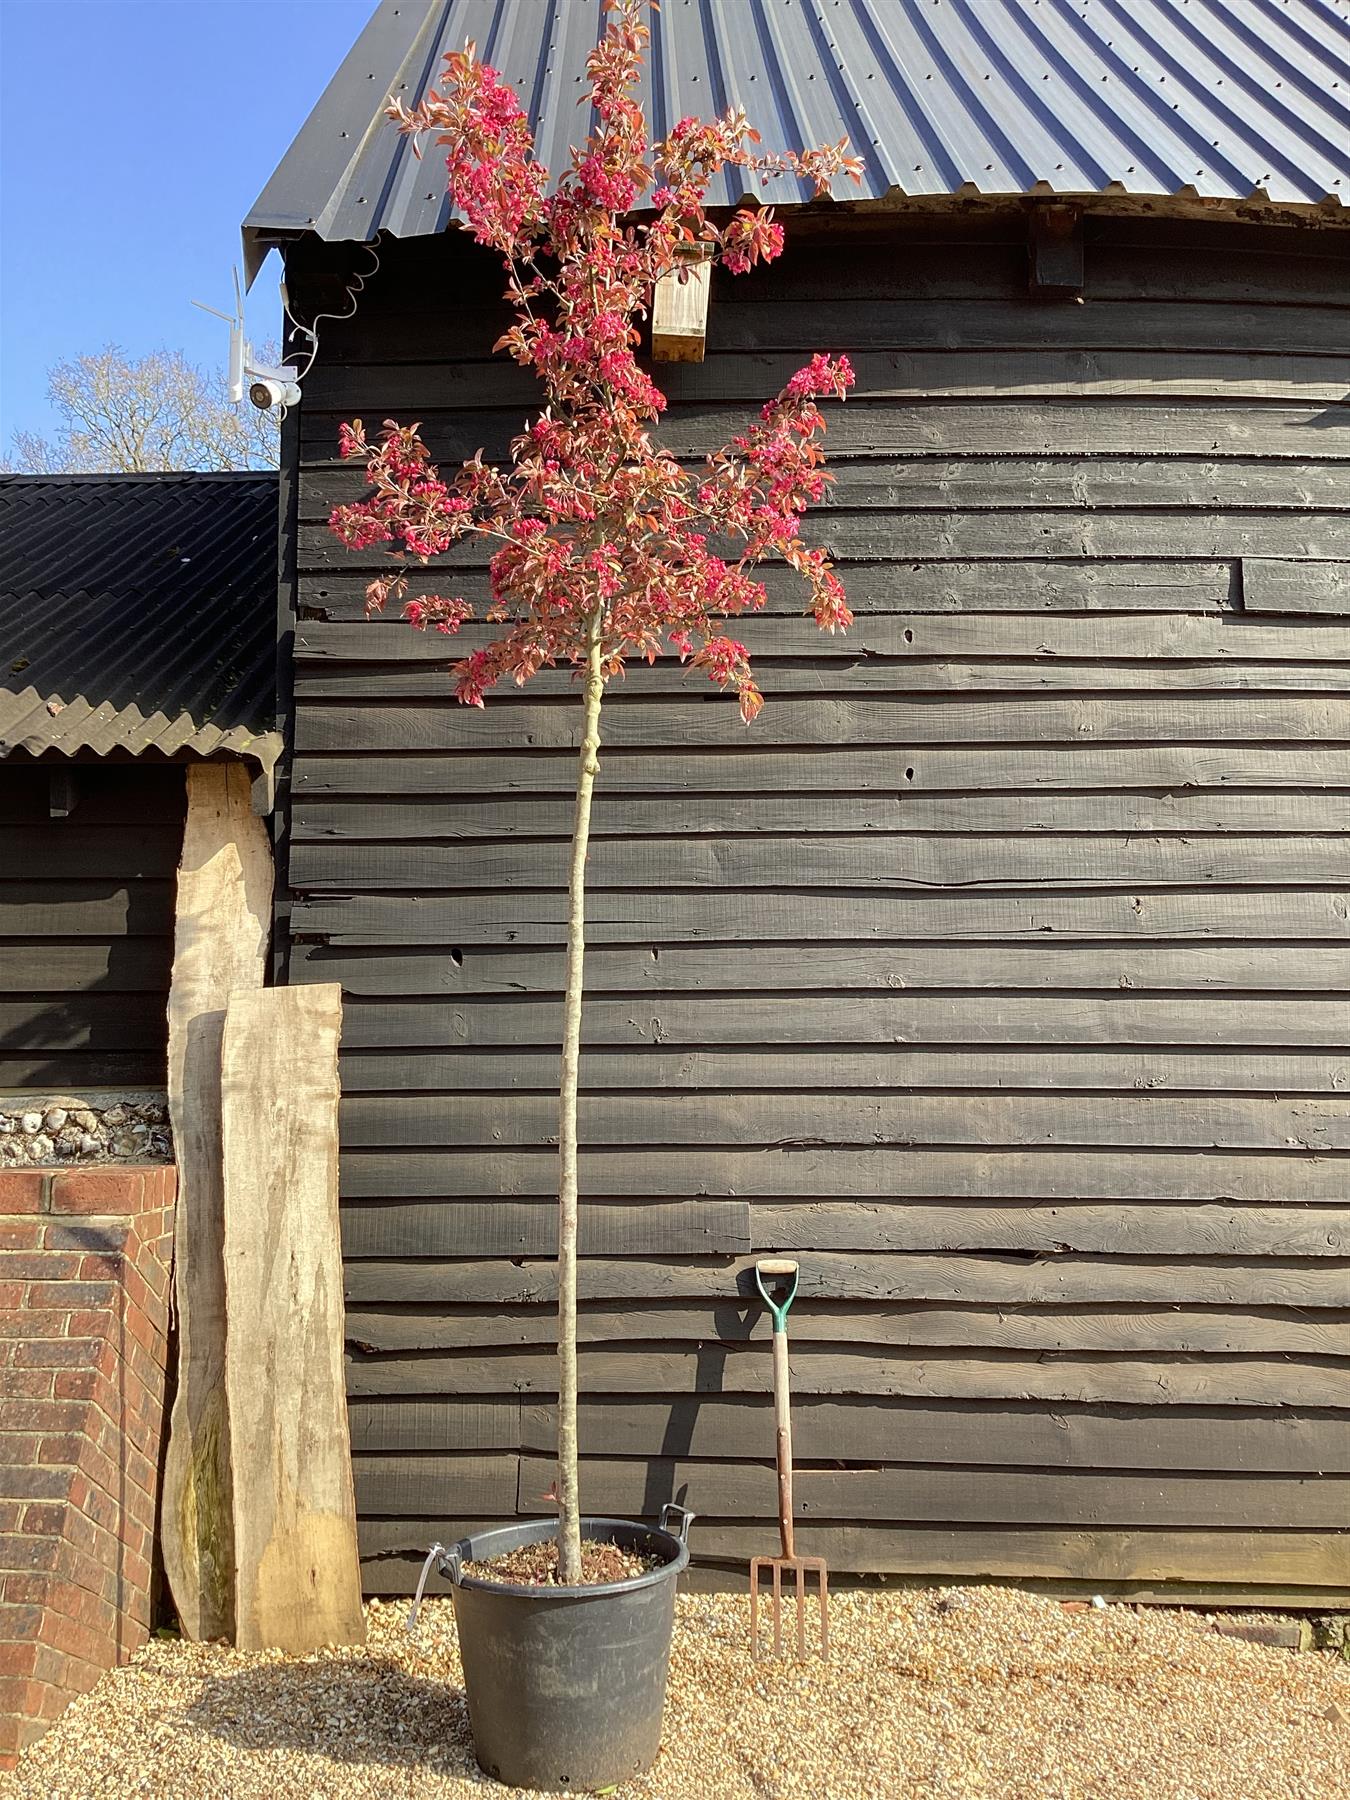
(680, 314)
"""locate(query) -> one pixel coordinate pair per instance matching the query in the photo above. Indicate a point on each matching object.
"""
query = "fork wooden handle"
(782, 1418)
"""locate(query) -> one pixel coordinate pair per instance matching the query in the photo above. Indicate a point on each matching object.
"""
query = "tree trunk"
(588, 767)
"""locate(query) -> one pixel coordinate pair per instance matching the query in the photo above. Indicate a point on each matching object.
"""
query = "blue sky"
(134, 136)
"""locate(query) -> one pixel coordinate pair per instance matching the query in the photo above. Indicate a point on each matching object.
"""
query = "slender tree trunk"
(588, 767)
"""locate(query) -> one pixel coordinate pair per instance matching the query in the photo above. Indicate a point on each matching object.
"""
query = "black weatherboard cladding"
(1000, 971)
(86, 922)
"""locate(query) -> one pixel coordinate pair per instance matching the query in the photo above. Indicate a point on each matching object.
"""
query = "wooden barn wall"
(86, 922)
(1000, 972)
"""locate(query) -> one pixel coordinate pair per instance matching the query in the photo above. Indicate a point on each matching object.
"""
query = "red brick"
(61, 1354)
(20, 1234)
(18, 1656)
(37, 1265)
(33, 1483)
(78, 1384)
(104, 1265)
(76, 1639)
(46, 1517)
(102, 1237)
(53, 1700)
(17, 1696)
(19, 1326)
(22, 1191)
(72, 1295)
(97, 1191)
(11, 1294)
(28, 1384)
(41, 1415)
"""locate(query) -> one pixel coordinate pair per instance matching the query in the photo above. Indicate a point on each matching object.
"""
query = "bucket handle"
(447, 1563)
(676, 1520)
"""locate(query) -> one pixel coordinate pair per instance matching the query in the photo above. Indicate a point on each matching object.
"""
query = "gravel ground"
(967, 1691)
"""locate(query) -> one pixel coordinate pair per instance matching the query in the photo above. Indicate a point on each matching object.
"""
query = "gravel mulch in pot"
(964, 1692)
(536, 1565)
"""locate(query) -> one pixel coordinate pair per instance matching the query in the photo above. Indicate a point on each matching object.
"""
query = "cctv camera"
(268, 392)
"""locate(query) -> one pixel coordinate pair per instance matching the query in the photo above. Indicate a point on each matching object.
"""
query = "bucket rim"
(474, 1549)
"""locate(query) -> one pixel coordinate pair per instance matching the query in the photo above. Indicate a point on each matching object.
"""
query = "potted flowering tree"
(604, 548)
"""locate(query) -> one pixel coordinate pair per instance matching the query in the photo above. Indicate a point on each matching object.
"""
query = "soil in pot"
(536, 1565)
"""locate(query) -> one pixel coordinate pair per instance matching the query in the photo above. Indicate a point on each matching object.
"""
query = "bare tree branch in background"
(120, 416)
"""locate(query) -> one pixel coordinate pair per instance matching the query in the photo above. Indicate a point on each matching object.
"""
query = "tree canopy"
(125, 416)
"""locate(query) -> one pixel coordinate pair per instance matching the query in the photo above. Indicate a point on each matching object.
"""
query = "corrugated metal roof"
(1223, 99)
(138, 612)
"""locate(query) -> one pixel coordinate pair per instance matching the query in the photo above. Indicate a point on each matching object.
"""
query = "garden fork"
(782, 1274)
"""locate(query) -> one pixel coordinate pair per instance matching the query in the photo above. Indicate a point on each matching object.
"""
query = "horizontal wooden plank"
(944, 257)
(987, 1375)
(658, 723)
(866, 860)
(863, 676)
(974, 326)
(1254, 1563)
(1202, 1229)
(1196, 1230)
(480, 1483)
(878, 535)
(899, 1120)
(740, 1490)
(618, 815)
(968, 1280)
(99, 909)
(904, 1431)
(108, 794)
(120, 1022)
(98, 853)
(1250, 1331)
(677, 1228)
(1163, 637)
(763, 1020)
(634, 969)
(62, 1071)
(739, 320)
(888, 1066)
(879, 1431)
(374, 389)
(1223, 424)
(126, 965)
(1199, 585)
(1175, 775)
(803, 1169)
(447, 1424)
(693, 916)
(999, 480)
(1272, 586)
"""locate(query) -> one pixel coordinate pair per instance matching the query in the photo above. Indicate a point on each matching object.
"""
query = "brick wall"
(84, 1283)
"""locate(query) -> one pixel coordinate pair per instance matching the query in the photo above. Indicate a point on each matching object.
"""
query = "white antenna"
(269, 386)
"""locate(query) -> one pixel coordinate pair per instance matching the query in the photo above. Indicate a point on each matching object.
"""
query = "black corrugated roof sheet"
(1219, 99)
(138, 612)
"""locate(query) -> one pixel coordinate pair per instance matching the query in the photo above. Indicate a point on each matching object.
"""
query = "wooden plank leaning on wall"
(220, 942)
(297, 1575)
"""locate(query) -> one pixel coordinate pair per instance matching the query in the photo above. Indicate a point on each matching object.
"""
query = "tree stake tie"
(782, 1274)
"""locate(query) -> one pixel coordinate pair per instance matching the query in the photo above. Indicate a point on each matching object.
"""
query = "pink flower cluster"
(591, 523)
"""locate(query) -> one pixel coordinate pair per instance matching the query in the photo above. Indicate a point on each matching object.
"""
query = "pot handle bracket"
(676, 1520)
(447, 1564)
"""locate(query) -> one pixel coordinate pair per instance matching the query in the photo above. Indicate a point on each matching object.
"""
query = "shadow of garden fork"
(783, 1274)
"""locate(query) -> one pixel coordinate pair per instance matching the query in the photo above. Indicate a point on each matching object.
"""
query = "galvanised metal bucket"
(566, 1686)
